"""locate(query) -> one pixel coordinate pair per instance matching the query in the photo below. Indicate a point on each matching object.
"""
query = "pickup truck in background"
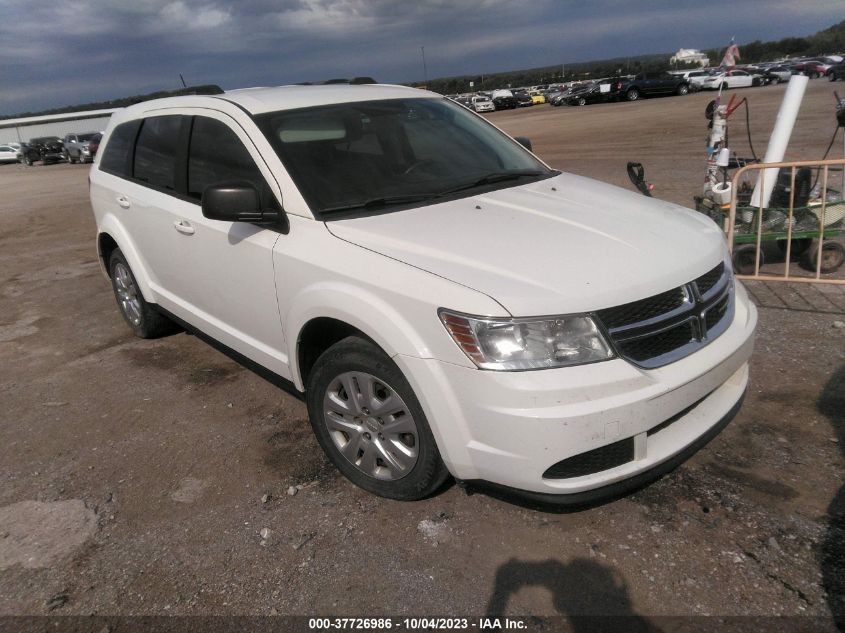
(651, 84)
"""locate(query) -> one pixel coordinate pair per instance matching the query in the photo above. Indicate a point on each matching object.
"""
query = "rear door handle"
(184, 227)
(123, 201)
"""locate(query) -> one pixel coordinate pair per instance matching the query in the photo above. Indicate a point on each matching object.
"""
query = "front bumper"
(509, 428)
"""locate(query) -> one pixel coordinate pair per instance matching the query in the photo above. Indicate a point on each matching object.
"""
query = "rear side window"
(155, 152)
(118, 153)
(216, 154)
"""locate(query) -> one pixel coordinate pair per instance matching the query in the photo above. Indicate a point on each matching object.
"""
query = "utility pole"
(184, 85)
(425, 68)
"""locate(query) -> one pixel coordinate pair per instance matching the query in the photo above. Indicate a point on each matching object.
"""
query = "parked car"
(523, 99)
(813, 67)
(597, 93)
(778, 74)
(409, 296)
(94, 144)
(728, 79)
(696, 78)
(503, 100)
(482, 104)
(537, 97)
(47, 149)
(651, 84)
(8, 154)
(836, 72)
(76, 147)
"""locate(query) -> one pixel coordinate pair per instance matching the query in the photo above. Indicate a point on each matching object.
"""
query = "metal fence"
(801, 218)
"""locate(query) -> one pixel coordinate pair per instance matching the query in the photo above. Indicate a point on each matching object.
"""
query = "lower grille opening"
(594, 461)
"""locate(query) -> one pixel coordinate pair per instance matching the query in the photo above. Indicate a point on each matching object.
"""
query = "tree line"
(828, 41)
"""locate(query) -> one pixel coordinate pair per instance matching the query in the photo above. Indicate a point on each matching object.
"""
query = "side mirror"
(524, 141)
(236, 201)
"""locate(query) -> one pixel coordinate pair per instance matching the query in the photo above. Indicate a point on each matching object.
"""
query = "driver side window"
(216, 154)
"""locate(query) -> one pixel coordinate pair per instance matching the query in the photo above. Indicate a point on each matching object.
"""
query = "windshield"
(374, 154)
(86, 137)
(42, 140)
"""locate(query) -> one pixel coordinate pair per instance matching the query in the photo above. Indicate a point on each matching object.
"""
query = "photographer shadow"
(831, 403)
(592, 596)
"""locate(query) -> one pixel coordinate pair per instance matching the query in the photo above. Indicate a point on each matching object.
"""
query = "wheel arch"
(111, 236)
(327, 312)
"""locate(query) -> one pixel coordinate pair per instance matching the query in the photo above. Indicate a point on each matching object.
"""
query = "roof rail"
(355, 81)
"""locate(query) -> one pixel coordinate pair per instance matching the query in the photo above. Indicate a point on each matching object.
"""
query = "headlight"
(516, 344)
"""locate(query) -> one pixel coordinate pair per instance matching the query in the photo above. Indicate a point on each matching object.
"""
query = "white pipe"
(780, 138)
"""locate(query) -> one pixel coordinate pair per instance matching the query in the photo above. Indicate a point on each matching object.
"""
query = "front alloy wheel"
(371, 425)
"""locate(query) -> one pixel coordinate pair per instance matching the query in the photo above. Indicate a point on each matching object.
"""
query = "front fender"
(363, 310)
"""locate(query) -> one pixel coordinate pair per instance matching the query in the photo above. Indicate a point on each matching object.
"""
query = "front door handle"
(123, 201)
(184, 227)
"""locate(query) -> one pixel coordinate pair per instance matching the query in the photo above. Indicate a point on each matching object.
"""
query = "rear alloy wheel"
(632, 95)
(27, 161)
(370, 424)
(144, 320)
(683, 89)
(582, 101)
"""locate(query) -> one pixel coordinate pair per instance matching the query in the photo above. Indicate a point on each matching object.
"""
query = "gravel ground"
(159, 477)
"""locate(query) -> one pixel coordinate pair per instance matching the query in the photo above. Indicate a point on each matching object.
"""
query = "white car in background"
(483, 104)
(697, 77)
(8, 154)
(729, 79)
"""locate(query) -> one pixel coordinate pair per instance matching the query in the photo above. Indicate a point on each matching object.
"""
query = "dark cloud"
(62, 53)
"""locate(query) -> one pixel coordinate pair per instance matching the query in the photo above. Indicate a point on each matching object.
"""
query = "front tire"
(144, 320)
(370, 424)
(632, 95)
(683, 89)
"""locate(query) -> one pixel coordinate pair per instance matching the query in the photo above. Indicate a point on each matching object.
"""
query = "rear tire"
(377, 436)
(144, 320)
(632, 95)
(582, 101)
(683, 89)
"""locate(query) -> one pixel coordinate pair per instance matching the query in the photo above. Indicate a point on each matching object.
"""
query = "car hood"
(560, 245)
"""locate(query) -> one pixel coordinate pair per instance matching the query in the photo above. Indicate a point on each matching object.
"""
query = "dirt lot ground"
(137, 476)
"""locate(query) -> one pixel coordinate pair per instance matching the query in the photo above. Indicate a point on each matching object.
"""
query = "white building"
(23, 129)
(690, 56)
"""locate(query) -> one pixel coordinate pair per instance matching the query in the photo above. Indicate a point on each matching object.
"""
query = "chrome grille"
(661, 329)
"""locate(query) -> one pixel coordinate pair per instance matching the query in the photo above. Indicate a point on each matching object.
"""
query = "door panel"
(221, 277)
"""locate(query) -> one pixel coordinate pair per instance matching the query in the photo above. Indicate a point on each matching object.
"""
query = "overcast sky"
(65, 52)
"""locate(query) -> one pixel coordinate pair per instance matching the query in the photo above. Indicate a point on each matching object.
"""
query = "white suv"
(447, 303)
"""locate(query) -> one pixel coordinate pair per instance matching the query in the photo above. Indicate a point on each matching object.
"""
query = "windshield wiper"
(494, 177)
(376, 203)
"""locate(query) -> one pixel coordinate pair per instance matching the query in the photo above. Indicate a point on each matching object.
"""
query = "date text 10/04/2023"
(415, 624)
